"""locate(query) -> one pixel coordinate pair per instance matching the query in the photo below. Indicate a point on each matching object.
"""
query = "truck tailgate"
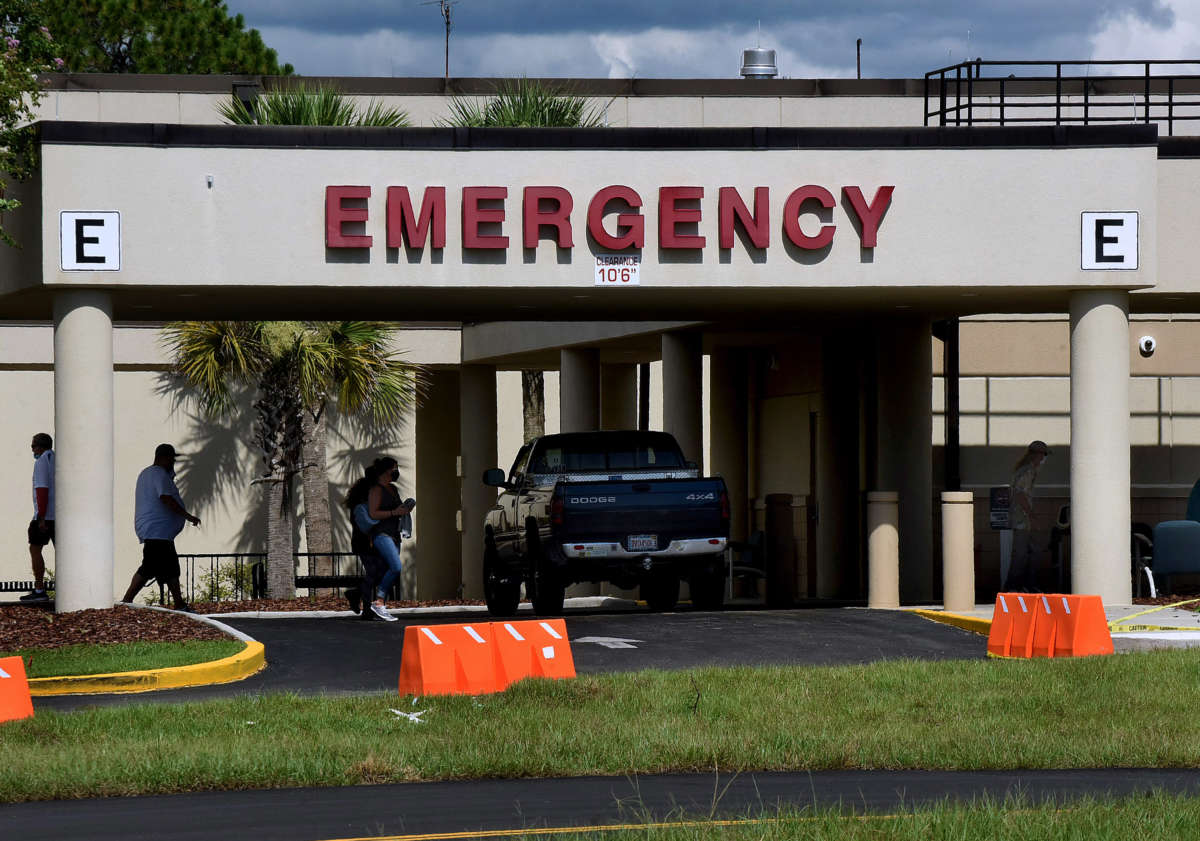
(669, 509)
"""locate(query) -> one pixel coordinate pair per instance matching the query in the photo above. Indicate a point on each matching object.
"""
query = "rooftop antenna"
(445, 7)
(858, 56)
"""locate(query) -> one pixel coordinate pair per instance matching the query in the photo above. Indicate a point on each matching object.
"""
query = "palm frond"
(311, 105)
(214, 356)
(525, 103)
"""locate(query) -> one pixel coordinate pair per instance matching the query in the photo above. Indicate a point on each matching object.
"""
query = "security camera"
(1146, 345)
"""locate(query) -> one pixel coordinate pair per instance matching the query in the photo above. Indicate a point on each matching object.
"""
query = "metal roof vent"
(759, 63)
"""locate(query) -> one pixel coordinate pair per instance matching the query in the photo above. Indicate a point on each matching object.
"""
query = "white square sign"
(1109, 241)
(618, 269)
(90, 240)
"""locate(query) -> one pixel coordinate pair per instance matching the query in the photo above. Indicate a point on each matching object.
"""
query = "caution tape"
(1112, 626)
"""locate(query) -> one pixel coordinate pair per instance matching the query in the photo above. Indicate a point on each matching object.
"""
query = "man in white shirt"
(158, 516)
(41, 527)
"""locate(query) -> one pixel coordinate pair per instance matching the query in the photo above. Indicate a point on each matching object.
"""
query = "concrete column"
(958, 550)
(838, 468)
(618, 396)
(682, 396)
(83, 444)
(438, 569)
(618, 410)
(727, 432)
(904, 446)
(1100, 445)
(579, 390)
(477, 449)
(883, 549)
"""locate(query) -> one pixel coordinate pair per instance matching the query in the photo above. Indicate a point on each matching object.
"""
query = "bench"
(21, 586)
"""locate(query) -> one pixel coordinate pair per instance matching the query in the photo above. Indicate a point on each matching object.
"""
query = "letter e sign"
(1109, 241)
(90, 240)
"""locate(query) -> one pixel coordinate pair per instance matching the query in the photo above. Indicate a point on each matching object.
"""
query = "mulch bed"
(1178, 597)
(40, 627)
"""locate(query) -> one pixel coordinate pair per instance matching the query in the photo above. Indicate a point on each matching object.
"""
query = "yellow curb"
(968, 623)
(238, 666)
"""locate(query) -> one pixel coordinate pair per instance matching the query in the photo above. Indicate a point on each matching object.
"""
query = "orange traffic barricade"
(448, 660)
(1048, 625)
(1045, 625)
(15, 702)
(533, 648)
(1082, 627)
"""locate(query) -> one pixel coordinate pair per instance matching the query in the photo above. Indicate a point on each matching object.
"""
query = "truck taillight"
(724, 505)
(556, 511)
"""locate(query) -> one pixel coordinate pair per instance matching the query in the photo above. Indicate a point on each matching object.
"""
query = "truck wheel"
(546, 589)
(502, 596)
(708, 586)
(661, 592)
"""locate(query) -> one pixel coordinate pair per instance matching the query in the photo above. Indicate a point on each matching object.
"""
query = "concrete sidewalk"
(1133, 627)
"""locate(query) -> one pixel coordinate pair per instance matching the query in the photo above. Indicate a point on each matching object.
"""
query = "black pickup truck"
(622, 507)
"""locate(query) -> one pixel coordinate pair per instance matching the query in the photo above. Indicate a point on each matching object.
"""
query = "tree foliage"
(157, 36)
(295, 367)
(28, 49)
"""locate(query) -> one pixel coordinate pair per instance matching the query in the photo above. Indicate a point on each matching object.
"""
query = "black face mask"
(395, 474)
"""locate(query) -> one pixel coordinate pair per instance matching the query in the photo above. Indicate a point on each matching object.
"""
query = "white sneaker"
(381, 611)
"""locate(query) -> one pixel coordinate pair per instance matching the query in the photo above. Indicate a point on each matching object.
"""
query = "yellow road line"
(559, 830)
(238, 666)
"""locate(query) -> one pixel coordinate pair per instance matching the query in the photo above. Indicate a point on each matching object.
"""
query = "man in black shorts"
(158, 516)
(41, 527)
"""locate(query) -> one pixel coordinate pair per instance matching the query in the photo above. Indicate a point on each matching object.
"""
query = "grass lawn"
(120, 657)
(1161, 817)
(1120, 711)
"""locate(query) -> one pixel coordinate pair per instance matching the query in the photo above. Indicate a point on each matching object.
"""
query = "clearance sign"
(613, 219)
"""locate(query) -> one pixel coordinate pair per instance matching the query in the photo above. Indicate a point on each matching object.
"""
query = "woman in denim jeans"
(377, 509)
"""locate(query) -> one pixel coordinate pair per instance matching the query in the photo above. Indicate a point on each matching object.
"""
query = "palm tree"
(305, 105)
(297, 369)
(313, 105)
(526, 103)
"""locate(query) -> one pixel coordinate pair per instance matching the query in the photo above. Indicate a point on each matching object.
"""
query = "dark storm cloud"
(542, 16)
(901, 39)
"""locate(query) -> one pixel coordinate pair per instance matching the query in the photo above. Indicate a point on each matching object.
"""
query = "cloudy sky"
(701, 38)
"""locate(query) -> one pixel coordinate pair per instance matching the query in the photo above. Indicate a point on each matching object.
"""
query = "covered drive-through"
(852, 242)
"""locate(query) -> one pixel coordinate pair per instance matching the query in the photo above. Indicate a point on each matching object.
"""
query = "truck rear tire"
(546, 590)
(708, 586)
(502, 596)
(661, 592)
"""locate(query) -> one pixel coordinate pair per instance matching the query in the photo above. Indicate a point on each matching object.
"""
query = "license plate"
(642, 542)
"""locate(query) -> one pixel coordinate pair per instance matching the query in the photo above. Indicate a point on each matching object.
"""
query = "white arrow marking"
(609, 642)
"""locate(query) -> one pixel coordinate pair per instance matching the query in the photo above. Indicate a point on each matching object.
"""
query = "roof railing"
(983, 93)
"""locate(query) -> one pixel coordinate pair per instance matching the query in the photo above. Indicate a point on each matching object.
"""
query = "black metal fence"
(978, 93)
(241, 576)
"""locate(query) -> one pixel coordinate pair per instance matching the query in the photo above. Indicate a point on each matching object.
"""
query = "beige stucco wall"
(217, 466)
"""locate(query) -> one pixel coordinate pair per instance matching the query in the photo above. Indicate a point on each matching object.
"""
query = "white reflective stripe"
(4, 674)
(474, 634)
(514, 633)
(431, 635)
(548, 652)
(1003, 604)
(546, 627)
(1066, 606)
(1046, 604)
(1021, 599)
